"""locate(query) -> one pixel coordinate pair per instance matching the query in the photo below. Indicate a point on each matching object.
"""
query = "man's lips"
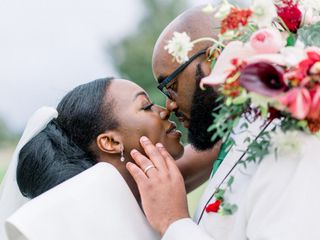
(184, 121)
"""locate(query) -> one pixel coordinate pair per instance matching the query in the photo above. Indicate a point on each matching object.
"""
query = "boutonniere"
(220, 206)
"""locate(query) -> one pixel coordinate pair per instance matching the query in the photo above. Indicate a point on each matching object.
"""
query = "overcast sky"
(49, 46)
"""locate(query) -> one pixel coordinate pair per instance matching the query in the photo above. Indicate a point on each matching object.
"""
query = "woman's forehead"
(124, 89)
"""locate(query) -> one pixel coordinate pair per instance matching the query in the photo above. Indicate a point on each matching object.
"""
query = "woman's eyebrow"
(139, 94)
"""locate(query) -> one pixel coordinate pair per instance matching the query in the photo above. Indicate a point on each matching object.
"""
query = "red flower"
(298, 101)
(314, 112)
(303, 68)
(314, 125)
(214, 207)
(291, 15)
(313, 56)
(235, 18)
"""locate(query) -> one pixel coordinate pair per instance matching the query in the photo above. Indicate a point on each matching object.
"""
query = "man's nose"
(171, 105)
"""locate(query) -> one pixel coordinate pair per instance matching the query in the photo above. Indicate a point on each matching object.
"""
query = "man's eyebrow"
(161, 78)
(139, 94)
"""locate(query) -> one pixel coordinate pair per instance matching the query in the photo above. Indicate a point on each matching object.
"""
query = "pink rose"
(267, 40)
(315, 103)
(298, 101)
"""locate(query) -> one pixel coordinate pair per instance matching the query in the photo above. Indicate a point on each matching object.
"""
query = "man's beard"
(203, 103)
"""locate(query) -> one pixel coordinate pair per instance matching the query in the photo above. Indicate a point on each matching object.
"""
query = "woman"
(100, 121)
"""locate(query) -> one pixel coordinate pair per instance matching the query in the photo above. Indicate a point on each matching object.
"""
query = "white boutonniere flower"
(285, 143)
(179, 46)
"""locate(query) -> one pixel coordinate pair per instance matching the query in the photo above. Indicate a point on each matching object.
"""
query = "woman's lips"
(172, 130)
(172, 127)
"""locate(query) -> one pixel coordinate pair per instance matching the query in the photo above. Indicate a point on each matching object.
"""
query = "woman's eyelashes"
(148, 107)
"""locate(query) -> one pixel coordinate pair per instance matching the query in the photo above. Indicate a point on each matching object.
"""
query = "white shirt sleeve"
(185, 229)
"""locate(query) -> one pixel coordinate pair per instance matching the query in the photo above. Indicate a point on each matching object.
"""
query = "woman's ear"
(110, 142)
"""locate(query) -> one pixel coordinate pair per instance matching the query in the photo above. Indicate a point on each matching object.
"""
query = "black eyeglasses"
(164, 86)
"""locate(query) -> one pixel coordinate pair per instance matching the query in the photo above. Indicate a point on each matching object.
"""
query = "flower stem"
(208, 39)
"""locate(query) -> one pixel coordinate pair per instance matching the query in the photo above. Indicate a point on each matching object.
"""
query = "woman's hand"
(160, 184)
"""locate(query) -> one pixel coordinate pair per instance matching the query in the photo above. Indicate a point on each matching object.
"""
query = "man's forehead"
(163, 65)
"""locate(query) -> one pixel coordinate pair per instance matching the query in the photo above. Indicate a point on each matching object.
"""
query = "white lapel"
(232, 157)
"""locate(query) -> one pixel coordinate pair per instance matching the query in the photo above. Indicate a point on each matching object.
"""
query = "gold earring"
(122, 159)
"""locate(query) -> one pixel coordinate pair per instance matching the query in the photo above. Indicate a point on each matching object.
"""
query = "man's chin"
(200, 142)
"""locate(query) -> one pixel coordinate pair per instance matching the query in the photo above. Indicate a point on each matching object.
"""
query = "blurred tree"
(7, 137)
(132, 55)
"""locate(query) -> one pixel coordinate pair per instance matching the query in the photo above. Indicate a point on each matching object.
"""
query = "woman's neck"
(130, 182)
(121, 167)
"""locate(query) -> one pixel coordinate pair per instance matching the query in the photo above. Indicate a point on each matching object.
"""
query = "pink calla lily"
(223, 66)
(298, 101)
(274, 58)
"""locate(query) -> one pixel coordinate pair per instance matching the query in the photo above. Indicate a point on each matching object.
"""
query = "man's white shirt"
(277, 199)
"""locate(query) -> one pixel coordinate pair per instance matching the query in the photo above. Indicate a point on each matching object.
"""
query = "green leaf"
(220, 194)
(213, 63)
(230, 181)
(228, 209)
(291, 40)
(244, 125)
(229, 101)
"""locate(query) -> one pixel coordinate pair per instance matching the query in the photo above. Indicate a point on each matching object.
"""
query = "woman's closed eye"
(148, 107)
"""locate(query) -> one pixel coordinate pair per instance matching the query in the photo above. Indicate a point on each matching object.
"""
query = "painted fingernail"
(144, 139)
(129, 164)
(133, 151)
(159, 145)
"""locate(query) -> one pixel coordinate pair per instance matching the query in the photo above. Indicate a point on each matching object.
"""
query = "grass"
(194, 198)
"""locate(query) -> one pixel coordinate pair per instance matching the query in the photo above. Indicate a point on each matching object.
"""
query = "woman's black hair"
(62, 149)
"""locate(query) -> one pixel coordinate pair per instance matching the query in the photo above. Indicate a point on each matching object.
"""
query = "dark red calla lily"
(263, 78)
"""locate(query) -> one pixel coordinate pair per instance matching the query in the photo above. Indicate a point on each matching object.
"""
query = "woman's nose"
(171, 105)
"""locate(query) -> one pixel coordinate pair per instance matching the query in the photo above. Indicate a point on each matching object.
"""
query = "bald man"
(259, 204)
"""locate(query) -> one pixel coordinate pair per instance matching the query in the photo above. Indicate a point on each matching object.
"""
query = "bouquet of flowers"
(266, 63)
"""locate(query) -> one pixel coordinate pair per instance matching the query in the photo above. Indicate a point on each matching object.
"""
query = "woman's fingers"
(143, 162)
(171, 164)
(164, 189)
(153, 154)
(137, 174)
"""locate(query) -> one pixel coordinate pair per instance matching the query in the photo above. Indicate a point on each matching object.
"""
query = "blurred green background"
(131, 57)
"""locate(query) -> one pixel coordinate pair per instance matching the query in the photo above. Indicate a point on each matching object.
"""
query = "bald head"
(196, 24)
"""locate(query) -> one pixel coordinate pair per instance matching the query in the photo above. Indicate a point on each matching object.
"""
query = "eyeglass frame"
(174, 74)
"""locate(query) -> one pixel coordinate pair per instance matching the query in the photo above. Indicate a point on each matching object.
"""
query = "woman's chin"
(176, 152)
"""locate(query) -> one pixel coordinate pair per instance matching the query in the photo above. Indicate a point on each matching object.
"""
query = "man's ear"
(110, 142)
